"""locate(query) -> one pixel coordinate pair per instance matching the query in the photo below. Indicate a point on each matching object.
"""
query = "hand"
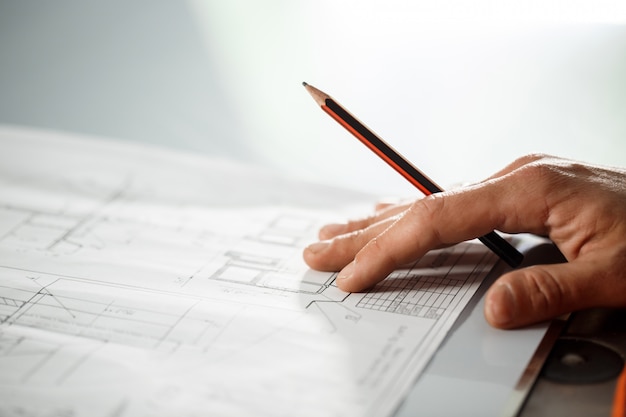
(580, 207)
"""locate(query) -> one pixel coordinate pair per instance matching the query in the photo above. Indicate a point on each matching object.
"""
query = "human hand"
(580, 207)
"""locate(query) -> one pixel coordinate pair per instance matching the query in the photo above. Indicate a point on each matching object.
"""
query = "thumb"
(539, 293)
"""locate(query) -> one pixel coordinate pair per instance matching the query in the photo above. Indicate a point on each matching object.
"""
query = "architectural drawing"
(129, 279)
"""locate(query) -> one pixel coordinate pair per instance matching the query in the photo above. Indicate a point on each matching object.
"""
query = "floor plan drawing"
(137, 282)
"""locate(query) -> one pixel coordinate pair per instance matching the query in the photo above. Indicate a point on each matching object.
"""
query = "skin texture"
(580, 207)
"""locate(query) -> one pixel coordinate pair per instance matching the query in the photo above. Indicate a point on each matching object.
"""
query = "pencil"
(492, 240)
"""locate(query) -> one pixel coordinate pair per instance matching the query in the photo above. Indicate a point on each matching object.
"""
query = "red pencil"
(619, 399)
(492, 240)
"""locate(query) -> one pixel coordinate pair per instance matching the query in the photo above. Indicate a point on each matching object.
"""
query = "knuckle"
(353, 238)
(374, 249)
(356, 224)
(540, 169)
(377, 249)
(542, 177)
(532, 158)
(359, 224)
(426, 209)
(554, 171)
(425, 215)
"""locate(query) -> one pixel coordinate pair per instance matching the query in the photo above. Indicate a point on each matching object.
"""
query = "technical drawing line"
(39, 364)
(354, 316)
(74, 277)
(47, 292)
(18, 225)
(120, 410)
(9, 351)
(328, 318)
(422, 295)
(472, 276)
(26, 305)
(93, 320)
(106, 284)
(93, 213)
(176, 323)
(9, 302)
(339, 302)
(77, 364)
(223, 329)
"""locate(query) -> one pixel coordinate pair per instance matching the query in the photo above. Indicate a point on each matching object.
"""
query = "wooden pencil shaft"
(492, 240)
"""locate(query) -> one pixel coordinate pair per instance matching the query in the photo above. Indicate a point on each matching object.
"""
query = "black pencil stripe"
(492, 240)
(383, 147)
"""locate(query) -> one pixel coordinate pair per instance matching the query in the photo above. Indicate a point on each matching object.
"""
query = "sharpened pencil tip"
(304, 83)
(317, 95)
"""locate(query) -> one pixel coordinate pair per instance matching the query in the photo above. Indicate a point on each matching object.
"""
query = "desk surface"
(587, 386)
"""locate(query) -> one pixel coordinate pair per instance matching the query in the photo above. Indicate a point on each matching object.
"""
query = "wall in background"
(459, 90)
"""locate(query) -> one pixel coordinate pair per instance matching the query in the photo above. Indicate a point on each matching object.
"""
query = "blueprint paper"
(137, 281)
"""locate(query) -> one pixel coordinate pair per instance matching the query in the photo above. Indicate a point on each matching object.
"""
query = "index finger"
(507, 203)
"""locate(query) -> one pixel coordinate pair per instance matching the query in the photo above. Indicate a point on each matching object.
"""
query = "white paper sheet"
(137, 281)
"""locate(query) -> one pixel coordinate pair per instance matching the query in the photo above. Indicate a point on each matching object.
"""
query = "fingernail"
(318, 247)
(345, 273)
(501, 305)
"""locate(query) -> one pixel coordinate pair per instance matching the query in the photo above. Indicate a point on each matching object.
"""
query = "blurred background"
(460, 88)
